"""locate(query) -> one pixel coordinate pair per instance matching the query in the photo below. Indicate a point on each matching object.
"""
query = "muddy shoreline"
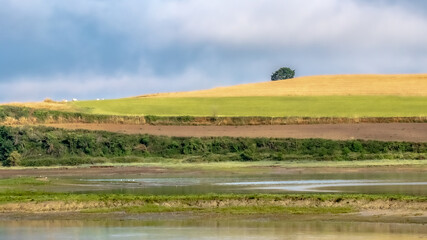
(194, 170)
(392, 211)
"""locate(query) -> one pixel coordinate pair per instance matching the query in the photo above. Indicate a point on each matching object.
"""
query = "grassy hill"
(320, 106)
(327, 85)
(316, 96)
(350, 96)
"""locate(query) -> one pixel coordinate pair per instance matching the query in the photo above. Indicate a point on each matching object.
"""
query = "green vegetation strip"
(26, 201)
(322, 106)
(41, 146)
(151, 208)
(13, 115)
(30, 196)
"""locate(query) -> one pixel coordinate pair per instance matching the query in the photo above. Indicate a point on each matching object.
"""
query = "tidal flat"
(364, 194)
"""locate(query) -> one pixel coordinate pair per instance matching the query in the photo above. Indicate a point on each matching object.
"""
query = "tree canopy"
(6, 144)
(283, 73)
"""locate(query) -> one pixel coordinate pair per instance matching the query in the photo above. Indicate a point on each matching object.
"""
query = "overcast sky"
(89, 49)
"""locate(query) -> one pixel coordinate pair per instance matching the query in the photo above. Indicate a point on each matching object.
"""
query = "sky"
(88, 49)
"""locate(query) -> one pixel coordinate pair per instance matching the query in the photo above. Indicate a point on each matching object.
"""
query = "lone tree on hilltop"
(283, 73)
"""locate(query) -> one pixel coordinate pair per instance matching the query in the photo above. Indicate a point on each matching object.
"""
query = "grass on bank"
(15, 194)
(230, 160)
(27, 201)
(15, 115)
(23, 181)
(176, 163)
(152, 208)
(299, 106)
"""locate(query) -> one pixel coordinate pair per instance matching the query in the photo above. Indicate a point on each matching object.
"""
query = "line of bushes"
(13, 115)
(35, 146)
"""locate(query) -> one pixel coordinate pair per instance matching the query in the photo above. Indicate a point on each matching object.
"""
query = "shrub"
(48, 100)
(247, 156)
(6, 144)
(14, 159)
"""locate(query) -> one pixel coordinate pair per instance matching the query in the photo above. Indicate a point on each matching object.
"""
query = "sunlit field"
(315, 106)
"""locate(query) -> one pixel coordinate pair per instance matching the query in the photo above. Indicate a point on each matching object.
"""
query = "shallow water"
(388, 183)
(319, 185)
(224, 229)
(184, 228)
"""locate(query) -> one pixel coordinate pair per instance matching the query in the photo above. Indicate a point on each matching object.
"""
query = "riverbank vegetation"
(16, 201)
(17, 115)
(43, 146)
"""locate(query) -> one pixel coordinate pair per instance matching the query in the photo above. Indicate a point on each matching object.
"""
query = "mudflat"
(160, 169)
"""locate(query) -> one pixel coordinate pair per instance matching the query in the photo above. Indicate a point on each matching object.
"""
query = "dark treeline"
(38, 146)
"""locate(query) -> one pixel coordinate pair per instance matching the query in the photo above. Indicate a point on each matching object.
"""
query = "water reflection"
(255, 184)
(213, 229)
(318, 185)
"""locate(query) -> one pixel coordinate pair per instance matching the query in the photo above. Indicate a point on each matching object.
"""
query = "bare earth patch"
(412, 132)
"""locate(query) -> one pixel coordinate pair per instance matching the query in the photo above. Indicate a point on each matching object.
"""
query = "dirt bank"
(413, 132)
(281, 205)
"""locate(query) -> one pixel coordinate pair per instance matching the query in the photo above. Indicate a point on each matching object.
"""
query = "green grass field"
(317, 106)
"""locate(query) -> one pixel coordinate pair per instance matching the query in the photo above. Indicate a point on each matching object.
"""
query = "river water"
(224, 229)
(383, 183)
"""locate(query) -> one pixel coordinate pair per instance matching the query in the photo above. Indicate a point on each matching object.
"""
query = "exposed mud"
(193, 170)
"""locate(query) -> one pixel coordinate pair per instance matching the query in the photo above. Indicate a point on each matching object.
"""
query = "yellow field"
(328, 85)
(337, 87)
(59, 106)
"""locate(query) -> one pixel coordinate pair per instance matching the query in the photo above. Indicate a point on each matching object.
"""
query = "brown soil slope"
(327, 85)
(412, 132)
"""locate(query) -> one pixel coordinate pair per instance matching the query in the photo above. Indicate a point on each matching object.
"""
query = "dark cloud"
(419, 6)
(90, 49)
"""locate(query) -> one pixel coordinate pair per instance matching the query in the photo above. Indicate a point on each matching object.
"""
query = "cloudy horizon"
(90, 49)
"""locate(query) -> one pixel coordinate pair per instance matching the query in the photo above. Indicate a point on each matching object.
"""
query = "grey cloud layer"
(138, 47)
